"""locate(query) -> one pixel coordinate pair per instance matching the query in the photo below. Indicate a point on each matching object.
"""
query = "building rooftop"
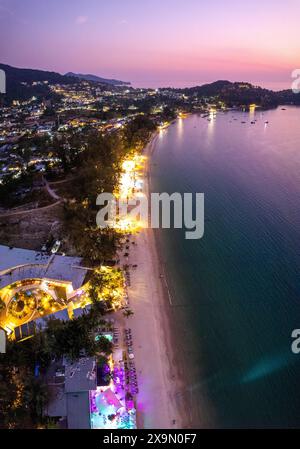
(18, 264)
(80, 375)
(13, 257)
(74, 407)
(78, 410)
(70, 384)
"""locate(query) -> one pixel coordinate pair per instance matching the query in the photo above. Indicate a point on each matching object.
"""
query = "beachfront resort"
(36, 288)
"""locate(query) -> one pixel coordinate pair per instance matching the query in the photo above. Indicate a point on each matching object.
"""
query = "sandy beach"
(159, 401)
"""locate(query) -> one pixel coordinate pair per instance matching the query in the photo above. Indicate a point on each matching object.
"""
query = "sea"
(235, 293)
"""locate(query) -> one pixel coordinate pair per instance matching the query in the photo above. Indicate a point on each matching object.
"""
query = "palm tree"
(128, 312)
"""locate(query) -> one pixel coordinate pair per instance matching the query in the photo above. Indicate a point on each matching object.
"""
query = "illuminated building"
(41, 283)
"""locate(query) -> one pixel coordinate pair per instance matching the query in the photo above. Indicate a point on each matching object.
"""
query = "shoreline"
(172, 317)
(170, 388)
(159, 401)
(183, 382)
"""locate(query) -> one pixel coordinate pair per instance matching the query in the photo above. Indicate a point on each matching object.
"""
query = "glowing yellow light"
(69, 289)
(130, 183)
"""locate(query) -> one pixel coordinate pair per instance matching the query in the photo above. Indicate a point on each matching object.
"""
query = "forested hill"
(243, 93)
(22, 84)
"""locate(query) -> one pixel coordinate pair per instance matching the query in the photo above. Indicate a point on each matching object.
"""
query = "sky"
(155, 42)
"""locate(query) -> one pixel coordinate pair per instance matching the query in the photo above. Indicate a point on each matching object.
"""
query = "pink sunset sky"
(155, 43)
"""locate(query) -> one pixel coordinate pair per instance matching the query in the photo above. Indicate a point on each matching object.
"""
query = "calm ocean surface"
(236, 292)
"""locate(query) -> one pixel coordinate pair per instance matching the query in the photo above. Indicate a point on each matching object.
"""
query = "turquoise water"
(236, 292)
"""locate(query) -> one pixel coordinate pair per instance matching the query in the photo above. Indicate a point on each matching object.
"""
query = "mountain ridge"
(22, 84)
(97, 79)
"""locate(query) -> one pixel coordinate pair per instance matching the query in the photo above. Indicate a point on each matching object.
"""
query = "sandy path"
(30, 211)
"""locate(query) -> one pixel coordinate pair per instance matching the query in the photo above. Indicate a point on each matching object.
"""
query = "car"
(55, 247)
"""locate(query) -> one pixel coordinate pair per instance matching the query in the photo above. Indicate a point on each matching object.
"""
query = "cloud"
(81, 20)
(5, 11)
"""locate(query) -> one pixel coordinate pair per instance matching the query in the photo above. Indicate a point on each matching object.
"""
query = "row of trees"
(99, 169)
(107, 284)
